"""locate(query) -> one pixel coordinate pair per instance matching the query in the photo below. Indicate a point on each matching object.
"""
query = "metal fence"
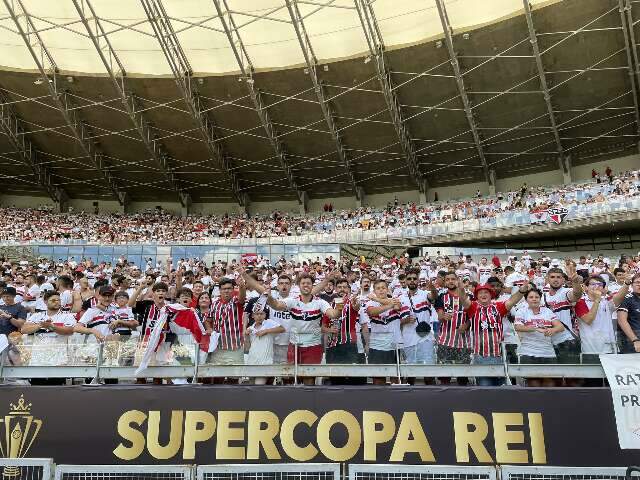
(44, 469)
(26, 468)
(124, 472)
(277, 471)
(514, 472)
(420, 472)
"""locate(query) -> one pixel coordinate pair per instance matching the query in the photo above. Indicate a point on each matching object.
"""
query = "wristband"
(636, 340)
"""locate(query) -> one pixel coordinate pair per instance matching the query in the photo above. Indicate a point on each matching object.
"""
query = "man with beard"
(560, 300)
(453, 339)
(342, 332)
(306, 317)
(418, 336)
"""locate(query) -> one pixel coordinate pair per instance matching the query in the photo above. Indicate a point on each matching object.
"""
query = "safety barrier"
(420, 472)
(26, 468)
(44, 469)
(277, 471)
(124, 472)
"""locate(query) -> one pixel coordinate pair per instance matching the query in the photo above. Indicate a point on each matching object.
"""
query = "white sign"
(623, 373)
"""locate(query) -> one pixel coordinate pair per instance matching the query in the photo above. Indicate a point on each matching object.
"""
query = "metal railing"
(275, 471)
(119, 360)
(27, 468)
(124, 472)
(45, 469)
(420, 472)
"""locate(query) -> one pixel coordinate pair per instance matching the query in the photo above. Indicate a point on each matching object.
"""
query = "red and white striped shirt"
(449, 334)
(346, 326)
(227, 321)
(486, 327)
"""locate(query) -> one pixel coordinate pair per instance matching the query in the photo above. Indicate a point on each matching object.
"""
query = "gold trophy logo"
(20, 430)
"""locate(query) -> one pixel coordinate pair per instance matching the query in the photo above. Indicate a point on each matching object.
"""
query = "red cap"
(484, 286)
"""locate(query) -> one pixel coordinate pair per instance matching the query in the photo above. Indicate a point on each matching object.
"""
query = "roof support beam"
(455, 65)
(62, 101)
(533, 37)
(246, 67)
(156, 149)
(631, 48)
(183, 75)
(12, 126)
(377, 50)
(327, 111)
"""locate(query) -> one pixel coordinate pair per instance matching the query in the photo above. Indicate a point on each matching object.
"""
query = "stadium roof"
(238, 100)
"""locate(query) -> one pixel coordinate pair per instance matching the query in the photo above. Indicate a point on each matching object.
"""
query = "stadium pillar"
(304, 202)
(62, 204)
(125, 207)
(185, 205)
(361, 198)
(565, 167)
(492, 182)
(424, 193)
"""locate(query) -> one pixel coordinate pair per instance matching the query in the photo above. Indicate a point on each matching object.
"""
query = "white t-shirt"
(535, 344)
(48, 347)
(98, 320)
(306, 320)
(261, 349)
(385, 328)
(514, 281)
(419, 308)
(599, 336)
(283, 318)
(561, 306)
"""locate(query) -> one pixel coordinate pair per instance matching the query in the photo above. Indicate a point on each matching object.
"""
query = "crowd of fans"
(417, 311)
(158, 226)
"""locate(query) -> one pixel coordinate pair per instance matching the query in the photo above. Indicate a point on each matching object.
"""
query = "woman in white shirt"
(595, 312)
(536, 325)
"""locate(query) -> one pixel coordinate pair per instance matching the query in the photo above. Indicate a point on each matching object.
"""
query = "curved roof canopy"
(238, 100)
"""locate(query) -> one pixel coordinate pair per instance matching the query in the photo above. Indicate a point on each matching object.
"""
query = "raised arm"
(576, 283)
(620, 294)
(513, 300)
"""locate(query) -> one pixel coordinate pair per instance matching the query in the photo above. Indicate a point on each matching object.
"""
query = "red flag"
(183, 321)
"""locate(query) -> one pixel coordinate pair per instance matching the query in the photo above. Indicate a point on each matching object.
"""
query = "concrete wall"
(464, 190)
(553, 177)
(622, 164)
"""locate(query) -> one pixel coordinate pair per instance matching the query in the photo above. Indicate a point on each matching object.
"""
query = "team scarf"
(181, 321)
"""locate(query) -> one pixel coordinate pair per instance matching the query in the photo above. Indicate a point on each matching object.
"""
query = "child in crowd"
(261, 335)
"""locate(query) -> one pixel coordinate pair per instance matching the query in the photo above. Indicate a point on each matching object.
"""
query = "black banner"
(258, 424)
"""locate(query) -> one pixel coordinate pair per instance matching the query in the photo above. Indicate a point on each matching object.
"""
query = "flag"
(557, 214)
(182, 321)
(249, 257)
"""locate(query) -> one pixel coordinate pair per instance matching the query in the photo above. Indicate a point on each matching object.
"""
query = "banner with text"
(623, 373)
(260, 424)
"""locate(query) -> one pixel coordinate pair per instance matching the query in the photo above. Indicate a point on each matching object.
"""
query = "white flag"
(623, 373)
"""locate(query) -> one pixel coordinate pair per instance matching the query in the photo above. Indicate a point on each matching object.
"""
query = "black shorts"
(343, 353)
(382, 357)
(528, 359)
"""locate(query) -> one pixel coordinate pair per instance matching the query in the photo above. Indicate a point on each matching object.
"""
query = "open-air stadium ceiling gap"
(116, 106)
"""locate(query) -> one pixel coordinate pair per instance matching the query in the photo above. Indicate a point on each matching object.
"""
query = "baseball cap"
(9, 291)
(489, 288)
(106, 291)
